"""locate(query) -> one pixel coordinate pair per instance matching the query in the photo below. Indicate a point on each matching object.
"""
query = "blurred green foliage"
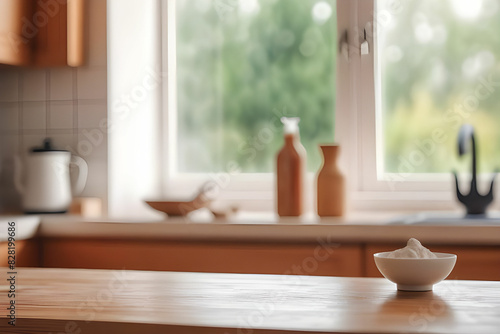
(241, 65)
(439, 70)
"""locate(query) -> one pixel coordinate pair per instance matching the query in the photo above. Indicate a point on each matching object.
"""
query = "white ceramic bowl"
(415, 274)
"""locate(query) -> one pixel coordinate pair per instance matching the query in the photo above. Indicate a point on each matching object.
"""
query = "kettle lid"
(47, 147)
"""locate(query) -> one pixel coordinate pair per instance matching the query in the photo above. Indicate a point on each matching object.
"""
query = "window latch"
(365, 47)
(344, 45)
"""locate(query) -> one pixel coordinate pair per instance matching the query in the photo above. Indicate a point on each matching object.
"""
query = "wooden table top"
(100, 301)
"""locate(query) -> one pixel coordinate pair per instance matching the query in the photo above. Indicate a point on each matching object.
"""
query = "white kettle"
(47, 186)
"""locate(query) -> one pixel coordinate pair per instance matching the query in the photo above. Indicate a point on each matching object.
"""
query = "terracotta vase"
(290, 171)
(330, 184)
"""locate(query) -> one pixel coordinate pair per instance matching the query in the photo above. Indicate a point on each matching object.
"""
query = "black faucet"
(474, 202)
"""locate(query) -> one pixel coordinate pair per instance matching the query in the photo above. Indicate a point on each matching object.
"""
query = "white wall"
(135, 79)
(65, 104)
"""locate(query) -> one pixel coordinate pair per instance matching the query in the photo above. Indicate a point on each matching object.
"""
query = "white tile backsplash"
(92, 144)
(9, 85)
(61, 84)
(10, 199)
(63, 141)
(9, 117)
(9, 146)
(92, 83)
(61, 114)
(34, 115)
(34, 83)
(65, 104)
(91, 115)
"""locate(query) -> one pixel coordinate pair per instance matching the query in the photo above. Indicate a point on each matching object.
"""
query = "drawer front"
(299, 259)
(27, 253)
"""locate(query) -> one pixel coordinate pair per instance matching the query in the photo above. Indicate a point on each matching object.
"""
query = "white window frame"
(356, 131)
(369, 110)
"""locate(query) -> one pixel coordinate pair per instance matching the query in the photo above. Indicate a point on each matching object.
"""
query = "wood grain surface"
(99, 301)
(15, 47)
(76, 32)
(228, 257)
(50, 43)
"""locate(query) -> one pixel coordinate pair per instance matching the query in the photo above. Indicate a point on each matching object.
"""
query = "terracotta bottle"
(330, 184)
(290, 171)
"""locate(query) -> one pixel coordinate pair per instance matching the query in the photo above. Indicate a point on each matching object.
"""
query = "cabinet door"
(15, 42)
(76, 32)
(60, 40)
(50, 21)
(27, 253)
(254, 258)
(473, 262)
(42, 33)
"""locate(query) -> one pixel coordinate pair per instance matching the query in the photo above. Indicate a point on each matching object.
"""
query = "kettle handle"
(18, 172)
(83, 170)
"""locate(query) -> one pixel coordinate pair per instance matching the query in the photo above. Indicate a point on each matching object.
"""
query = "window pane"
(438, 66)
(241, 65)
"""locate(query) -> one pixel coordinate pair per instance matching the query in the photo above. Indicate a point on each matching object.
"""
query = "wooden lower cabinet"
(354, 260)
(226, 257)
(473, 262)
(27, 253)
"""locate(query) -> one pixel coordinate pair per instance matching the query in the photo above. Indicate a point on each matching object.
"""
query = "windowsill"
(262, 227)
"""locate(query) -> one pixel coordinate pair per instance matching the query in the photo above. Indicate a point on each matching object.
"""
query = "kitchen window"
(425, 58)
(438, 68)
(235, 67)
(241, 65)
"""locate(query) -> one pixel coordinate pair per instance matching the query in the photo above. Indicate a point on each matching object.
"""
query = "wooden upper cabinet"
(15, 49)
(76, 32)
(42, 33)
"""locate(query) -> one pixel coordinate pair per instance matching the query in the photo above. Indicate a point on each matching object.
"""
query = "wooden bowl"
(182, 208)
(177, 208)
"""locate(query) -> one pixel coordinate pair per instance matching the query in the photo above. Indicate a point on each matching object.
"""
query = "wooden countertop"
(356, 227)
(96, 301)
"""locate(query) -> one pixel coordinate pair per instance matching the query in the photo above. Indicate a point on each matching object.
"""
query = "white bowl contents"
(414, 269)
(413, 250)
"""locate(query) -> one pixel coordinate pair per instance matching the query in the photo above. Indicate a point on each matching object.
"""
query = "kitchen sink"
(448, 218)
